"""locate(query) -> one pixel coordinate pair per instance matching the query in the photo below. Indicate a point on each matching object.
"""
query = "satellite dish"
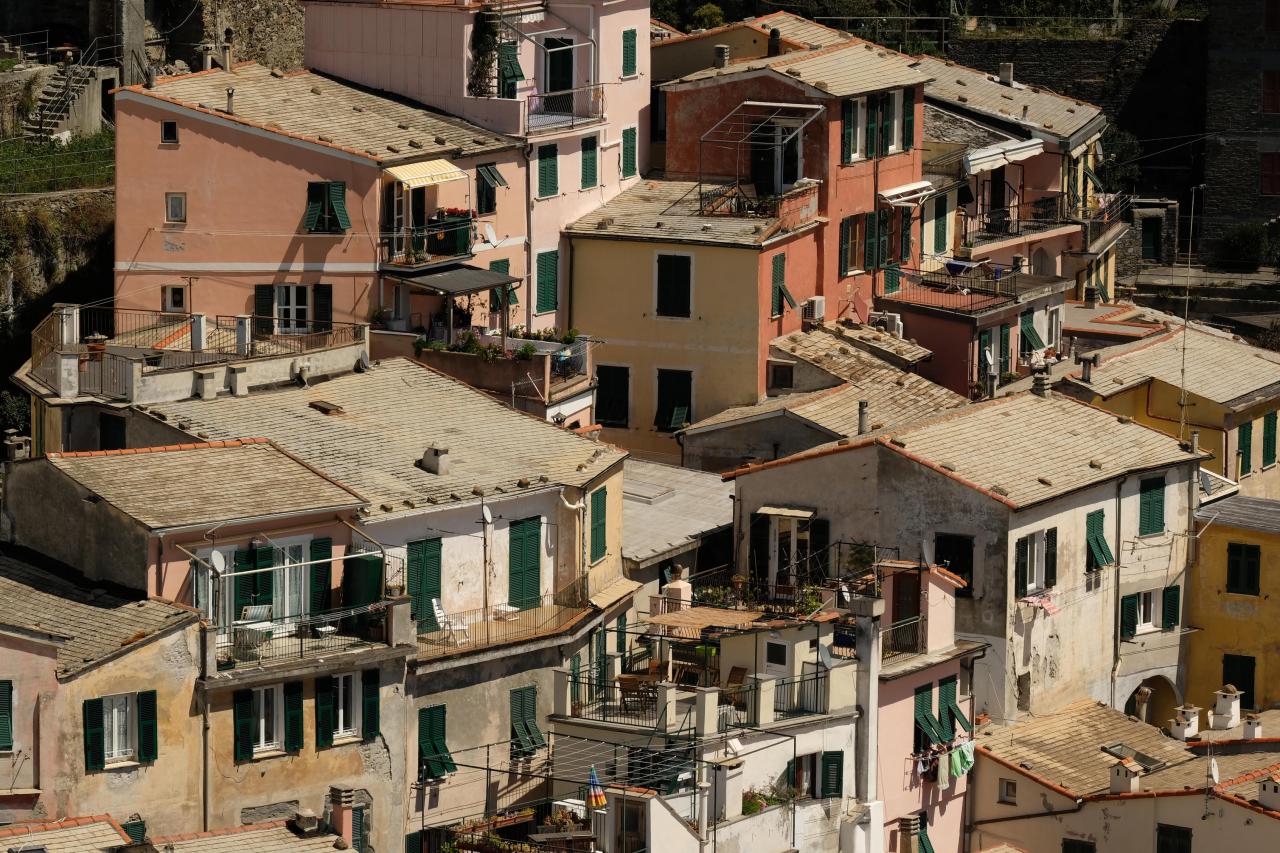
(490, 234)
(219, 562)
(486, 514)
(824, 656)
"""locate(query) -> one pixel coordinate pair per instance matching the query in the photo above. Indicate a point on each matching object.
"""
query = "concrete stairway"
(56, 100)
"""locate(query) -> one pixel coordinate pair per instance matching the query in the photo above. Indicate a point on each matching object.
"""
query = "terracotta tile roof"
(88, 623)
(272, 837)
(800, 29)
(389, 416)
(204, 483)
(975, 91)
(328, 112)
(69, 835)
(1253, 376)
(667, 211)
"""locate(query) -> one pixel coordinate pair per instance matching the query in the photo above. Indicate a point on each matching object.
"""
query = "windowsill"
(538, 313)
(274, 752)
(1157, 535)
(1224, 592)
(169, 144)
(538, 198)
(635, 76)
(588, 189)
(125, 764)
(174, 226)
(658, 316)
(1007, 802)
(614, 425)
(346, 740)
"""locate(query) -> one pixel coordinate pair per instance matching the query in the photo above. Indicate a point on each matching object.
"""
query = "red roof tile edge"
(65, 823)
(164, 448)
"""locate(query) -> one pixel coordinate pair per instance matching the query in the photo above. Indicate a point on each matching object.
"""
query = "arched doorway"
(1041, 263)
(1153, 701)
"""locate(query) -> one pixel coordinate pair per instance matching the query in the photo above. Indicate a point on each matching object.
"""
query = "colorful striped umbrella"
(595, 792)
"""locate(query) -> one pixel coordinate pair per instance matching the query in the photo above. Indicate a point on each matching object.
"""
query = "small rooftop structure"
(93, 834)
(666, 510)
(198, 484)
(326, 112)
(1257, 514)
(852, 351)
(670, 212)
(87, 623)
(942, 125)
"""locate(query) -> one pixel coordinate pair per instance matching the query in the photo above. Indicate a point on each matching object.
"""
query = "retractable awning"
(1002, 154)
(426, 173)
(457, 281)
(786, 511)
(907, 195)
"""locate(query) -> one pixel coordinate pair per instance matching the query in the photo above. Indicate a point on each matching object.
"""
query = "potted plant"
(965, 250)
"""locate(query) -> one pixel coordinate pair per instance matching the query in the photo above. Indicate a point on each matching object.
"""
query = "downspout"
(1193, 489)
(529, 202)
(971, 665)
(580, 509)
(204, 729)
(1115, 657)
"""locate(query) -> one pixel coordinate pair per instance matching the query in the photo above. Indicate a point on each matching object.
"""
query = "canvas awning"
(907, 195)
(786, 511)
(457, 281)
(1001, 154)
(426, 173)
(619, 589)
(698, 618)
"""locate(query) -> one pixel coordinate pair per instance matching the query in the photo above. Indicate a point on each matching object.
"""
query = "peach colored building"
(306, 202)
(570, 80)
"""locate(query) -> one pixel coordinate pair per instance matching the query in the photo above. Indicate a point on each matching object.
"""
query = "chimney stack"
(227, 56)
(1185, 724)
(1124, 776)
(1026, 108)
(864, 420)
(341, 803)
(722, 56)
(149, 78)
(435, 460)
(1252, 726)
(1006, 73)
(1040, 381)
(206, 52)
(775, 42)
(1087, 364)
(1195, 441)
(1226, 708)
(1269, 792)
(231, 101)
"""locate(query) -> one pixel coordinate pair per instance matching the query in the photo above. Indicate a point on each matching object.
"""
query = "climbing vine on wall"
(484, 54)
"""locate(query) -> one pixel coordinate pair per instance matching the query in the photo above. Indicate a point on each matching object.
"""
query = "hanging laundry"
(962, 758)
(944, 770)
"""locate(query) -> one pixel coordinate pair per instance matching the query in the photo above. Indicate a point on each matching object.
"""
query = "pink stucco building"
(569, 80)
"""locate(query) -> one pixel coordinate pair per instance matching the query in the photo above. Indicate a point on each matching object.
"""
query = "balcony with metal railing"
(563, 110)
(1028, 219)
(1103, 219)
(446, 238)
(963, 287)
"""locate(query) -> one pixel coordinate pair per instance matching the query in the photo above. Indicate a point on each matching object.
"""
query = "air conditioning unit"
(814, 310)
(890, 322)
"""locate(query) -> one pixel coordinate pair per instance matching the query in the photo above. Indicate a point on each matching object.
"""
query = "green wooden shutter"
(892, 279)
(370, 721)
(885, 221)
(359, 835)
(293, 716)
(848, 129)
(940, 214)
(414, 557)
(873, 126)
(590, 149)
(1170, 604)
(1128, 616)
(925, 720)
(779, 282)
(984, 352)
(599, 545)
(905, 239)
(148, 732)
(922, 833)
(1269, 439)
(524, 565)
(548, 171)
(315, 205)
(886, 123)
(242, 724)
(424, 581)
(264, 582)
(95, 747)
(1006, 364)
(843, 265)
(621, 642)
(1021, 552)
(548, 266)
(6, 716)
(322, 307)
(946, 700)
(1051, 557)
(135, 829)
(321, 574)
(1151, 506)
(264, 309)
(1099, 552)
(1245, 440)
(338, 204)
(426, 758)
(530, 708)
(870, 242)
(325, 711)
(908, 119)
(628, 53)
(628, 152)
(521, 744)
(833, 774)
(413, 842)
(1235, 567)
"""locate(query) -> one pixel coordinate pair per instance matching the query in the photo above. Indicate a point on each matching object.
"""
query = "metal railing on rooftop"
(1099, 219)
(627, 702)
(1025, 218)
(800, 696)
(566, 108)
(499, 624)
(303, 636)
(904, 637)
(965, 291)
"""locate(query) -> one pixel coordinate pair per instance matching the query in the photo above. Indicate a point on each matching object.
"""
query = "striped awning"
(426, 173)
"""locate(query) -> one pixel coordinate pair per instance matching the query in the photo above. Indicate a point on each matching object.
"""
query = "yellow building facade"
(1234, 602)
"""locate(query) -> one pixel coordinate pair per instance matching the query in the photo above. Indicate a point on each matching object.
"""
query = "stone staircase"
(53, 106)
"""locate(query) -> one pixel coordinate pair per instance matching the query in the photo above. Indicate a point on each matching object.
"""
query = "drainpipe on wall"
(1193, 488)
(204, 732)
(1115, 658)
(529, 202)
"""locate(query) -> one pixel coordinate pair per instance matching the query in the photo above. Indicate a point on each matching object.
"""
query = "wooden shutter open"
(242, 724)
(95, 747)
(326, 718)
(940, 214)
(590, 149)
(908, 119)
(1021, 557)
(848, 130)
(1128, 616)
(1170, 606)
(6, 715)
(832, 774)
(599, 546)
(337, 191)
(1051, 558)
(322, 307)
(628, 152)
(264, 309)
(293, 716)
(370, 706)
(148, 732)
(548, 264)
(628, 53)
(548, 171)
(321, 574)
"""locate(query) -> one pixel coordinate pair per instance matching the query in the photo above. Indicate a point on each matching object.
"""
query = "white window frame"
(346, 725)
(1054, 338)
(221, 615)
(785, 666)
(895, 133)
(859, 131)
(167, 301)
(1148, 611)
(1035, 562)
(175, 215)
(1007, 792)
(261, 742)
(289, 570)
(293, 317)
(119, 727)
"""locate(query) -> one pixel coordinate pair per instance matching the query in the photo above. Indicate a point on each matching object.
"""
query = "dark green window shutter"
(1151, 506)
(590, 148)
(833, 774)
(359, 831)
(848, 130)
(1269, 439)
(984, 352)
(424, 581)
(548, 171)
(1051, 557)
(321, 574)
(325, 712)
(922, 832)
(524, 563)
(1006, 364)
(315, 205)
(885, 222)
(905, 238)
(338, 204)
(621, 642)
(789, 777)
(1128, 616)
(779, 282)
(95, 747)
(264, 582)
(426, 758)
(925, 721)
(629, 152)
(242, 724)
(1243, 562)
(892, 279)
(599, 545)
(135, 829)
(1099, 552)
(148, 733)
(509, 70)
(886, 123)
(873, 126)
(628, 53)
(293, 716)
(846, 226)
(870, 242)
(322, 307)
(1170, 604)
(908, 119)
(548, 281)
(497, 299)
(1245, 441)
(413, 842)
(946, 699)
(940, 215)
(370, 705)
(6, 715)
(1021, 555)
(264, 309)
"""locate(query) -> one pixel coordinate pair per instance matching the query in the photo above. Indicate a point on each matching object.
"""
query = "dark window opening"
(675, 285)
(613, 393)
(169, 132)
(955, 553)
(675, 400)
(782, 376)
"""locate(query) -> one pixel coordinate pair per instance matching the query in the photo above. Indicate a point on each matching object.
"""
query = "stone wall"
(1129, 248)
(269, 32)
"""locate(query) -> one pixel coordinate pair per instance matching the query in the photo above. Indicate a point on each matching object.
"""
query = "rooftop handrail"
(902, 637)
(301, 636)
(800, 695)
(495, 625)
(563, 108)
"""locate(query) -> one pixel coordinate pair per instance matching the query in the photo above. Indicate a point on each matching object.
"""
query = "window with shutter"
(922, 833)
(928, 728)
(135, 829)
(884, 223)
(370, 704)
(621, 641)
(590, 148)
(599, 530)
(848, 129)
(613, 395)
(321, 579)
(524, 583)
(675, 285)
(628, 53)
(1171, 607)
(326, 211)
(940, 216)
(434, 757)
(548, 171)
(242, 724)
(832, 774)
(1021, 566)
(500, 297)
(325, 714)
(1269, 439)
(293, 716)
(1128, 616)
(424, 581)
(1097, 552)
(779, 283)
(675, 400)
(1006, 357)
(1244, 442)
(871, 241)
(628, 152)
(526, 735)
(413, 842)
(6, 716)
(1051, 558)
(95, 755)
(359, 830)
(949, 707)
(1151, 506)
(908, 119)
(148, 731)
(1172, 839)
(873, 126)
(1243, 568)
(904, 240)
(548, 266)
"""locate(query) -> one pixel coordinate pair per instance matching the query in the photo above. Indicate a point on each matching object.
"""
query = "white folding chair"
(445, 623)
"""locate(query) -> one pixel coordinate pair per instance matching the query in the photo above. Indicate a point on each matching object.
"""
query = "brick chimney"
(341, 804)
(775, 42)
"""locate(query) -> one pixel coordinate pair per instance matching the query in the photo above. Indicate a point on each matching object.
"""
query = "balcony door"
(291, 309)
(775, 165)
(558, 76)
(289, 599)
(906, 596)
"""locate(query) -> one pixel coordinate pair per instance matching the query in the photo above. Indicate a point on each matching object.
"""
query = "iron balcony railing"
(965, 292)
(738, 707)
(904, 637)
(1027, 218)
(1100, 218)
(630, 702)
(304, 636)
(566, 108)
(458, 631)
(278, 335)
(445, 238)
(800, 696)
